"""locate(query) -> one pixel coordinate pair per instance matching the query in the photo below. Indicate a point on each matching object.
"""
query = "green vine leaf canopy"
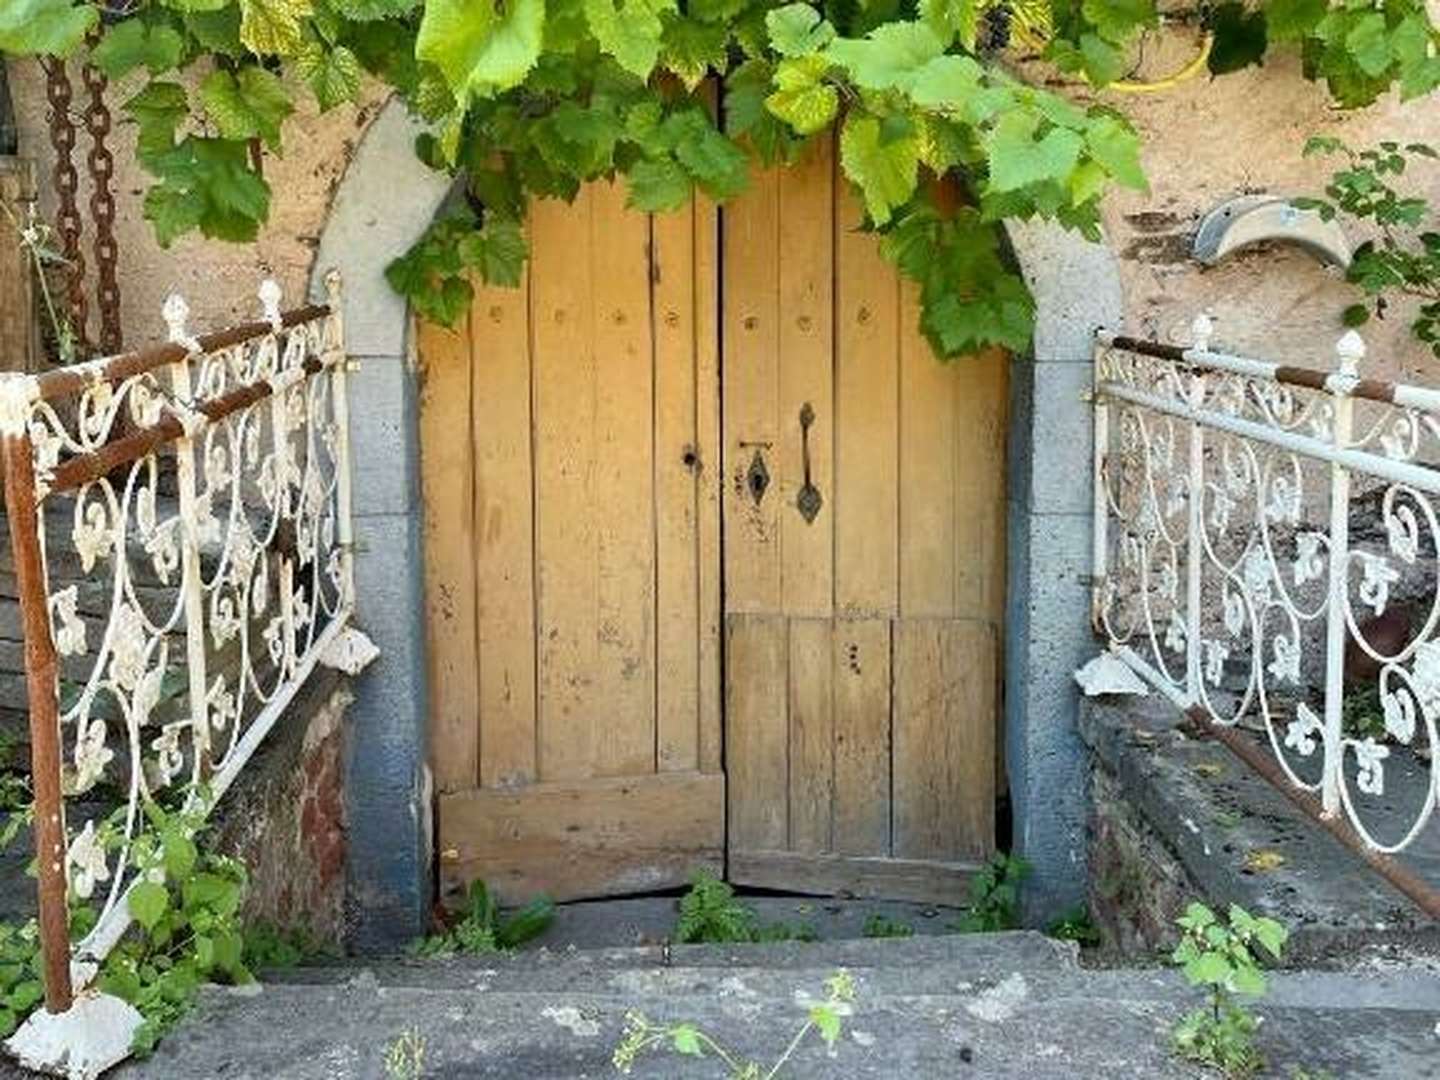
(530, 99)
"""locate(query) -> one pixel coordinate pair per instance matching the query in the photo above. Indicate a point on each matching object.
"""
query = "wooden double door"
(714, 558)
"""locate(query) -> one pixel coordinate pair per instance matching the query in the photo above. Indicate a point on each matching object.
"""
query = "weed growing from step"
(1075, 925)
(824, 1016)
(882, 926)
(994, 896)
(484, 930)
(1219, 956)
(274, 948)
(405, 1056)
(710, 914)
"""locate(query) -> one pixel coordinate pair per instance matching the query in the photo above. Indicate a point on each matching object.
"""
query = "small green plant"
(484, 930)
(1219, 956)
(710, 914)
(882, 926)
(405, 1056)
(268, 947)
(1075, 925)
(994, 896)
(824, 1016)
(1361, 714)
(1404, 259)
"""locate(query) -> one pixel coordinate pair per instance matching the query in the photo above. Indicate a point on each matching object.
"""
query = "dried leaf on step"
(1263, 860)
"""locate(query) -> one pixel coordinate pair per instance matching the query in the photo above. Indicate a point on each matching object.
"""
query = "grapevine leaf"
(797, 30)
(248, 104)
(272, 26)
(1419, 68)
(952, 19)
(885, 172)
(131, 44)
(1117, 20)
(368, 10)
(1240, 38)
(1114, 144)
(889, 57)
(218, 31)
(746, 117)
(206, 184)
(947, 82)
(1369, 43)
(826, 1021)
(196, 6)
(630, 32)
(1291, 20)
(497, 250)
(713, 161)
(479, 46)
(1017, 159)
(333, 74)
(44, 27)
(157, 110)
(686, 1040)
(801, 99)
(658, 185)
(691, 48)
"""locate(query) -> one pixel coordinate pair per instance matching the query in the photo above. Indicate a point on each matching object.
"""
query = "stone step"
(899, 965)
(1062, 1023)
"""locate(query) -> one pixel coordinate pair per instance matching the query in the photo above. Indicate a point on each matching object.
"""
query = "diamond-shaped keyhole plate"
(757, 477)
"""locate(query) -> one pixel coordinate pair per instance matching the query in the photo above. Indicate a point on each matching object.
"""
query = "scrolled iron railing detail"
(181, 536)
(1266, 543)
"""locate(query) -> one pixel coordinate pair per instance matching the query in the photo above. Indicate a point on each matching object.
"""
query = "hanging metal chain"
(67, 183)
(102, 209)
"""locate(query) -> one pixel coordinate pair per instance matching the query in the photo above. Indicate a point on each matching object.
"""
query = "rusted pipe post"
(42, 691)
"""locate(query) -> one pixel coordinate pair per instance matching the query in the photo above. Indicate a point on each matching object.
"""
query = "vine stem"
(794, 1043)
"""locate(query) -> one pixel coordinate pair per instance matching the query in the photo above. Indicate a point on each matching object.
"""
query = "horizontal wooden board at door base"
(584, 838)
(844, 875)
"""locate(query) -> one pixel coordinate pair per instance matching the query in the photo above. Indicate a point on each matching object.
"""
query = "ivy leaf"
(1291, 20)
(148, 903)
(1017, 159)
(658, 185)
(131, 44)
(630, 32)
(272, 26)
(1240, 38)
(248, 104)
(691, 48)
(1114, 144)
(333, 74)
(479, 46)
(885, 172)
(44, 27)
(801, 99)
(797, 30)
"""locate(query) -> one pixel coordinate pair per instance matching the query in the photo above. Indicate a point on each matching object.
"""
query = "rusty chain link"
(102, 209)
(59, 93)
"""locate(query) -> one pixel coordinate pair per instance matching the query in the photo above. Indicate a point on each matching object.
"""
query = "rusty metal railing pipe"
(42, 689)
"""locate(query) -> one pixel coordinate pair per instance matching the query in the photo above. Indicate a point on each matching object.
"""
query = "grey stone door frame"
(384, 202)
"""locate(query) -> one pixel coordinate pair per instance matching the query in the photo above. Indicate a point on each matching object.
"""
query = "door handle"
(808, 499)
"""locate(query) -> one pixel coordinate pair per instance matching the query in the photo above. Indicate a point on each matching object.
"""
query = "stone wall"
(1205, 140)
(285, 819)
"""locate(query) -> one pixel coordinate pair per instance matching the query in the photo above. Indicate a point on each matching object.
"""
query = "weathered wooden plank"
(18, 330)
(562, 318)
(981, 413)
(867, 413)
(678, 491)
(750, 387)
(756, 747)
(944, 739)
(806, 256)
(447, 500)
(710, 470)
(504, 537)
(622, 496)
(848, 875)
(861, 665)
(569, 840)
(929, 540)
(811, 734)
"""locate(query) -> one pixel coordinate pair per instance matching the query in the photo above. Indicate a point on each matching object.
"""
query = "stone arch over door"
(385, 201)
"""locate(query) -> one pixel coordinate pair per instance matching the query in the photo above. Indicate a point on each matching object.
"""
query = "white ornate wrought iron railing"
(181, 541)
(1265, 555)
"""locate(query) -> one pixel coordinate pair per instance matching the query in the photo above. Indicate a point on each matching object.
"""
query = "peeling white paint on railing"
(1265, 550)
